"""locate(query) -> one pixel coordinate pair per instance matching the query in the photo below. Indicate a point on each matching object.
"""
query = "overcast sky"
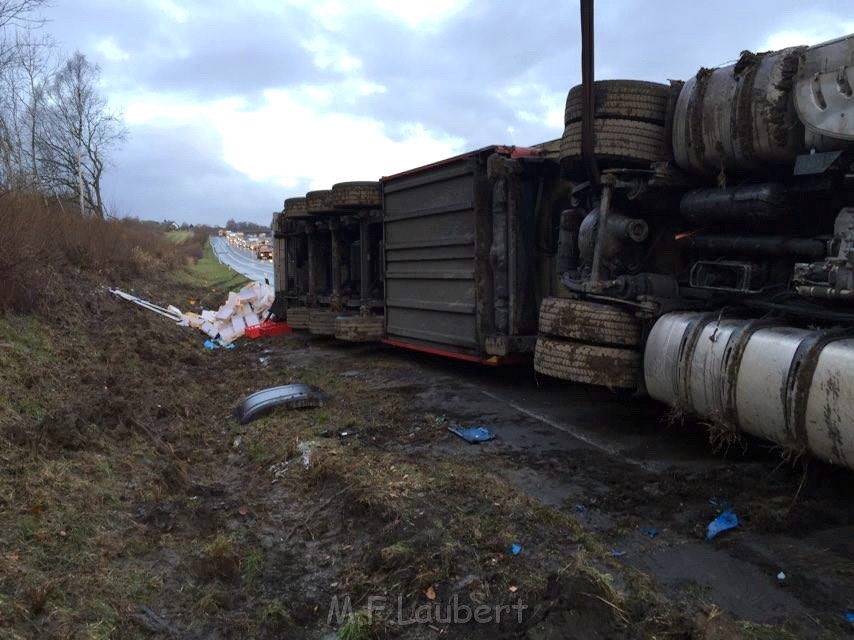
(234, 106)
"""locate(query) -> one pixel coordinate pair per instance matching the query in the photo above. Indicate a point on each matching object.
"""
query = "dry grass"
(42, 238)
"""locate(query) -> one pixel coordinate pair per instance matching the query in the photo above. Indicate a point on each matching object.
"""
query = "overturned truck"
(691, 240)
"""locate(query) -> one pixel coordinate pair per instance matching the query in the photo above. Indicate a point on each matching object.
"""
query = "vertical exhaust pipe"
(588, 96)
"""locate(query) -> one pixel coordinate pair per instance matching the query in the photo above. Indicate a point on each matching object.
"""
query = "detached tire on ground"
(626, 99)
(321, 322)
(297, 317)
(591, 322)
(589, 364)
(359, 328)
(619, 142)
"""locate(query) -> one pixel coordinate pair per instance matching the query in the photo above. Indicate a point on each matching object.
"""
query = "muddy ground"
(132, 505)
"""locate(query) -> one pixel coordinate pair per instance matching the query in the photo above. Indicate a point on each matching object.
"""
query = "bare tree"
(78, 134)
(56, 128)
(21, 65)
(35, 62)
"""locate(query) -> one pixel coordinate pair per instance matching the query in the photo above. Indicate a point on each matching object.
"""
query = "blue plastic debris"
(724, 522)
(579, 508)
(216, 344)
(516, 549)
(473, 435)
(849, 615)
(650, 532)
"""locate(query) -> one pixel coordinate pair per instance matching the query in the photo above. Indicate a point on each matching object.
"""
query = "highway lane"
(242, 260)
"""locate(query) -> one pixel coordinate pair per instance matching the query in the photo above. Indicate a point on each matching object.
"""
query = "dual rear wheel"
(588, 342)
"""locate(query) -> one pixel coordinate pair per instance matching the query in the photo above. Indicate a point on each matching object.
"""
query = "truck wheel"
(321, 322)
(604, 366)
(627, 99)
(297, 317)
(618, 143)
(319, 201)
(295, 208)
(359, 328)
(357, 195)
(589, 322)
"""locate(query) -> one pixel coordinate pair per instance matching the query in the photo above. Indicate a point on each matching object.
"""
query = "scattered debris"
(849, 615)
(579, 508)
(293, 396)
(240, 315)
(170, 312)
(242, 309)
(724, 522)
(473, 435)
(267, 329)
(279, 469)
(305, 448)
(216, 344)
(781, 576)
(345, 433)
(516, 548)
(430, 593)
(650, 532)
(618, 553)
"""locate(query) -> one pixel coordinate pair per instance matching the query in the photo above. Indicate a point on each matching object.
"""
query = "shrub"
(42, 238)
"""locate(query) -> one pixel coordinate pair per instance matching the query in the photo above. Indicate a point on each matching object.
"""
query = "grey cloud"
(452, 77)
(178, 173)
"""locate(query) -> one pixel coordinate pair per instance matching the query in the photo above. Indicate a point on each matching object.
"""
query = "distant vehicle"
(264, 252)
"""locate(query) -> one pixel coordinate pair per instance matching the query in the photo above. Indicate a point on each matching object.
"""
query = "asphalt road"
(242, 261)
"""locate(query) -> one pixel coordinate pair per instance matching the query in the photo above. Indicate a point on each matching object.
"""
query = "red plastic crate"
(268, 329)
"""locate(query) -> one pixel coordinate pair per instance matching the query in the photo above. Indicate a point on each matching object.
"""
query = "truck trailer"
(693, 241)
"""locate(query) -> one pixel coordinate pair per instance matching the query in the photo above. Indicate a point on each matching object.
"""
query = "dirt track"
(616, 465)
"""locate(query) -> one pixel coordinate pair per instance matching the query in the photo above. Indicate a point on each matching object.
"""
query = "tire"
(359, 328)
(589, 322)
(321, 322)
(319, 202)
(589, 364)
(295, 208)
(627, 99)
(357, 195)
(297, 317)
(619, 143)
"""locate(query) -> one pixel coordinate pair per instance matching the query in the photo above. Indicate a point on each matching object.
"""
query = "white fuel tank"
(785, 384)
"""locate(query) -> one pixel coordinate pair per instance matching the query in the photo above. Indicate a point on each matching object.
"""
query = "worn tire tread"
(591, 322)
(297, 317)
(321, 322)
(618, 141)
(359, 328)
(626, 99)
(357, 195)
(610, 367)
